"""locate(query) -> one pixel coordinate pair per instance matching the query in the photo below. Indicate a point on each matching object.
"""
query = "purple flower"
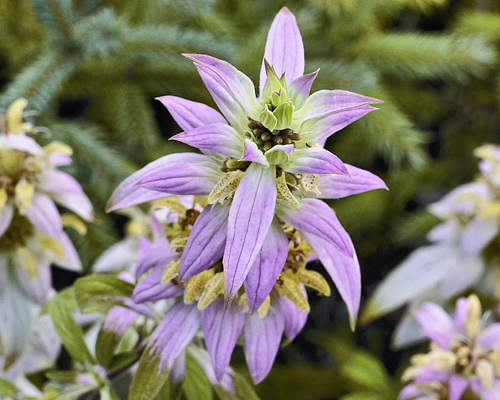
(464, 355)
(31, 228)
(263, 165)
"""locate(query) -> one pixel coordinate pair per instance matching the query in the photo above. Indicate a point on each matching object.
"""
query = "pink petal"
(232, 91)
(39, 288)
(476, 236)
(490, 338)
(250, 217)
(294, 318)
(298, 90)
(356, 181)
(436, 324)
(128, 193)
(261, 340)
(6, 217)
(267, 266)
(317, 218)
(22, 143)
(284, 48)
(158, 253)
(119, 319)
(150, 287)
(206, 242)
(71, 260)
(252, 153)
(221, 328)
(190, 114)
(44, 215)
(314, 160)
(219, 138)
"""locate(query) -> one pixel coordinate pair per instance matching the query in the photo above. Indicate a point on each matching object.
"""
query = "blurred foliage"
(92, 68)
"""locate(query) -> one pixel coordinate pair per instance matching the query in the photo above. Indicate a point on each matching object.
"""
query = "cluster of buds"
(464, 356)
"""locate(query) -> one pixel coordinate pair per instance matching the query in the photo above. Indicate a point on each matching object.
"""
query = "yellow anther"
(213, 289)
(226, 187)
(72, 221)
(474, 311)
(196, 285)
(136, 228)
(494, 357)
(242, 301)
(485, 372)
(58, 147)
(179, 241)
(314, 280)
(309, 183)
(14, 117)
(3, 198)
(27, 261)
(50, 245)
(24, 192)
(201, 200)
(283, 192)
(171, 271)
(171, 203)
(264, 307)
(292, 291)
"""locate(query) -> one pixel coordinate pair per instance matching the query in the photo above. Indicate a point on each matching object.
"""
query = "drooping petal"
(456, 387)
(36, 284)
(252, 153)
(436, 324)
(183, 177)
(128, 193)
(344, 271)
(298, 90)
(232, 91)
(44, 215)
(261, 340)
(250, 217)
(6, 217)
(314, 160)
(118, 319)
(179, 368)
(203, 358)
(318, 130)
(476, 236)
(294, 318)
(79, 203)
(22, 143)
(71, 259)
(158, 253)
(356, 181)
(317, 218)
(462, 275)
(119, 256)
(150, 287)
(190, 114)
(206, 241)
(284, 48)
(490, 338)
(267, 266)
(423, 269)
(221, 328)
(219, 138)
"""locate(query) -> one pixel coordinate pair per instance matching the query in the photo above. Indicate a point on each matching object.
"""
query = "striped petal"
(314, 160)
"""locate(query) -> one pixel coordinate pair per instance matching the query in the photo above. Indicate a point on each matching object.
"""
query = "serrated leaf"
(196, 384)
(70, 333)
(7, 388)
(99, 293)
(365, 370)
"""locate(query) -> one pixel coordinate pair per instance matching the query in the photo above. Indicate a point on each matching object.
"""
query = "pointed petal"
(120, 256)
(150, 287)
(356, 181)
(190, 114)
(267, 266)
(22, 143)
(118, 319)
(318, 130)
(232, 91)
(316, 217)
(250, 217)
(38, 287)
(179, 368)
(219, 138)
(184, 178)
(202, 358)
(423, 269)
(490, 338)
(436, 324)
(252, 153)
(221, 328)
(261, 340)
(44, 215)
(457, 386)
(158, 253)
(461, 312)
(314, 160)
(476, 236)
(128, 193)
(5, 218)
(298, 90)
(408, 332)
(343, 269)
(284, 48)
(294, 318)
(71, 259)
(206, 242)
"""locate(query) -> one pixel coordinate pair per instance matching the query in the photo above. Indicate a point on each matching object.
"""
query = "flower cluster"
(464, 355)
(459, 255)
(31, 228)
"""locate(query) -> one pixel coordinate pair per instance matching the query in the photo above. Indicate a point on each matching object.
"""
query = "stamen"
(196, 285)
(226, 187)
(314, 280)
(171, 271)
(213, 289)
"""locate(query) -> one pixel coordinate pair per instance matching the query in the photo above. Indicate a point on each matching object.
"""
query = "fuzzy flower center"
(266, 139)
(16, 167)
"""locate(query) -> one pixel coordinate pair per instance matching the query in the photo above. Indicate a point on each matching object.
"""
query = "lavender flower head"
(31, 228)
(263, 168)
(464, 356)
(459, 256)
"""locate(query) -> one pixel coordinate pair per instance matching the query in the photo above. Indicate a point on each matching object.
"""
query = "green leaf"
(106, 343)
(99, 293)
(70, 333)
(7, 388)
(362, 396)
(108, 393)
(121, 360)
(366, 371)
(62, 376)
(149, 377)
(244, 389)
(196, 384)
